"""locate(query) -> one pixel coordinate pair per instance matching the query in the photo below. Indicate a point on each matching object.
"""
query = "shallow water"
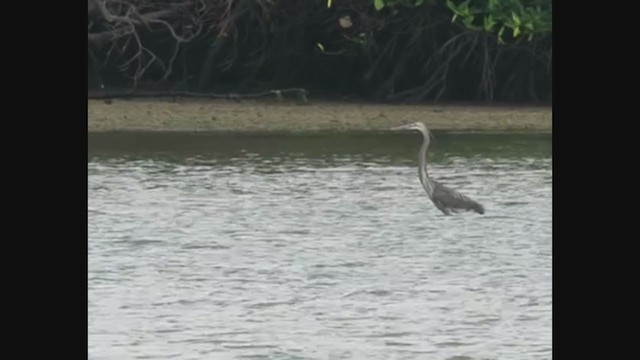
(205, 246)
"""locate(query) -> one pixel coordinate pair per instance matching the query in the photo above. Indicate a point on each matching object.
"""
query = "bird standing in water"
(445, 199)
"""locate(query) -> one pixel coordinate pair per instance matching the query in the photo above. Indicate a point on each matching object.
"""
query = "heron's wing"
(452, 199)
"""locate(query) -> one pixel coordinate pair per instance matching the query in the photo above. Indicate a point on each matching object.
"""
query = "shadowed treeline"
(383, 50)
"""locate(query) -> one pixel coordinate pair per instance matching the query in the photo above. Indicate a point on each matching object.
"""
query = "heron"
(445, 199)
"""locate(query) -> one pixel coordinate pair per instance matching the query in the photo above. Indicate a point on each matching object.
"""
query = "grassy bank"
(225, 115)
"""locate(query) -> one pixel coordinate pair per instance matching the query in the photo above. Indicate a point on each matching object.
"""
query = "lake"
(317, 246)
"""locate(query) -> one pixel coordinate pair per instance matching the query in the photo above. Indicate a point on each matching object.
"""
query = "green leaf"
(492, 5)
(516, 31)
(329, 3)
(465, 11)
(454, 18)
(468, 21)
(418, 2)
(516, 19)
(379, 4)
(320, 46)
(464, 7)
(453, 7)
(500, 32)
(530, 37)
(489, 23)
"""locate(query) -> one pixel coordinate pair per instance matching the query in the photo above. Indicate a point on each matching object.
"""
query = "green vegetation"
(530, 19)
(385, 50)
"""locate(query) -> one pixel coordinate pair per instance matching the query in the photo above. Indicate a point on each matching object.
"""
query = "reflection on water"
(317, 247)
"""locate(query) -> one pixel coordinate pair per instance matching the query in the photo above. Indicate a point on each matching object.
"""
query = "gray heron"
(445, 199)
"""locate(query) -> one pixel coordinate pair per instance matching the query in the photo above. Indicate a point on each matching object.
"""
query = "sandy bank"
(225, 115)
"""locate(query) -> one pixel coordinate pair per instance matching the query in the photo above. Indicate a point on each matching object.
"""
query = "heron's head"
(413, 126)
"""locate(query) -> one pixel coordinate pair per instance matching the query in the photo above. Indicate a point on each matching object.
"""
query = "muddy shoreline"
(273, 116)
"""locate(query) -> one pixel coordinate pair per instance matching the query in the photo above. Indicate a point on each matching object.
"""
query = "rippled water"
(209, 246)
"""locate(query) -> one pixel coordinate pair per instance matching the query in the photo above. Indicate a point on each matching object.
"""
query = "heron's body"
(444, 198)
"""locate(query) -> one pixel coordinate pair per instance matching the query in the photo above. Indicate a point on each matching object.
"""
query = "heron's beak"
(402, 127)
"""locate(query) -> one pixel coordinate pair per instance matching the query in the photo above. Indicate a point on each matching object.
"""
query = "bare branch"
(173, 57)
(173, 33)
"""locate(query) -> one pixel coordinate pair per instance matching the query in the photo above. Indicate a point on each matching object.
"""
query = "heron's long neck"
(427, 183)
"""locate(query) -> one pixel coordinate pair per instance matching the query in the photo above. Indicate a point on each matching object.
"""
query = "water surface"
(205, 246)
